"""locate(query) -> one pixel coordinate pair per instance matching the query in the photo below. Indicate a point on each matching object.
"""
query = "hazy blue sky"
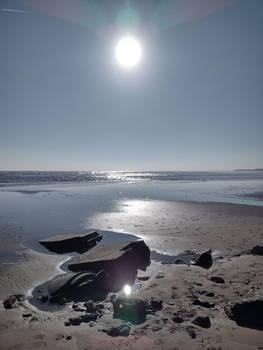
(194, 103)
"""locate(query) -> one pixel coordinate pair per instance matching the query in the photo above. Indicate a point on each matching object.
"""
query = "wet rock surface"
(68, 243)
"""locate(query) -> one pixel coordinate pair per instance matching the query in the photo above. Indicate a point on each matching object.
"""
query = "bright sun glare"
(128, 52)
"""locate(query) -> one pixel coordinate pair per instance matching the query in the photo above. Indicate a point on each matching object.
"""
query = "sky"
(194, 102)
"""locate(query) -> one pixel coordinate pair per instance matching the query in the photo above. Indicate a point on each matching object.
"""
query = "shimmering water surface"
(36, 205)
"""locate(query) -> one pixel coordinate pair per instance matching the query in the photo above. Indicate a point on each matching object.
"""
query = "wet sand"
(167, 227)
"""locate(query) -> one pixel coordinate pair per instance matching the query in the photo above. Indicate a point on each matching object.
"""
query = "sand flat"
(227, 229)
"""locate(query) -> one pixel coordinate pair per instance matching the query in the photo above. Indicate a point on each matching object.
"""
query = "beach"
(171, 228)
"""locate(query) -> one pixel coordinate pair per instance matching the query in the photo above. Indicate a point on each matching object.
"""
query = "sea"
(38, 204)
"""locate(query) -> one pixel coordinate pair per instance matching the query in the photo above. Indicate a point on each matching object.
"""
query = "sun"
(128, 52)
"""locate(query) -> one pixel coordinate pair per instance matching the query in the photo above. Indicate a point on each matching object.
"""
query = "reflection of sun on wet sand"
(186, 292)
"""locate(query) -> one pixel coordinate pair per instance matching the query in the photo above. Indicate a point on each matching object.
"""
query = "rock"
(120, 261)
(68, 337)
(257, 250)
(90, 306)
(68, 243)
(203, 303)
(88, 317)
(156, 328)
(210, 294)
(10, 302)
(75, 321)
(217, 279)
(78, 307)
(202, 321)
(177, 319)
(44, 298)
(20, 297)
(122, 331)
(191, 332)
(205, 260)
(156, 303)
(159, 276)
(143, 278)
(26, 315)
(77, 285)
(130, 309)
(247, 312)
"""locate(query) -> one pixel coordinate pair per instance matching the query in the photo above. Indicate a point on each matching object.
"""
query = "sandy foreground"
(227, 229)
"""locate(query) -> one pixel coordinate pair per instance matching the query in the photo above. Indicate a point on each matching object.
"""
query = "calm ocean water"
(46, 177)
(35, 205)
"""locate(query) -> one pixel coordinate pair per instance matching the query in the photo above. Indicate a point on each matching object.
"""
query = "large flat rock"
(121, 261)
(68, 243)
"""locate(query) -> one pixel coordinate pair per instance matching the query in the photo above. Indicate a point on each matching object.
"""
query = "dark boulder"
(217, 279)
(205, 260)
(68, 243)
(247, 312)
(130, 309)
(203, 303)
(10, 302)
(202, 321)
(257, 250)
(120, 261)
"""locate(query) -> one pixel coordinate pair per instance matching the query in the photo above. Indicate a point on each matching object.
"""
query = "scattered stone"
(143, 278)
(257, 250)
(156, 303)
(100, 306)
(191, 332)
(177, 319)
(202, 321)
(210, 294)
(122, 331)
(130, 309)
(75, 321)
(159, 276)
(247, 312)
(203, 303)
(10, 302)
(205, 260)
(217, 279)
(33, 319)
(156, 328)
(88, 317)
(78, 307)
(26, 315)
(68, 337)
(79, 243)
(90, 306)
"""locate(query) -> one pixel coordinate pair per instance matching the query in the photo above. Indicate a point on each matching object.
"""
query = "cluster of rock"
(99, 269)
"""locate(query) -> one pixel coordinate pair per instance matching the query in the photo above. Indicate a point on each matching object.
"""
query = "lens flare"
(127, 290)
(128, 52)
